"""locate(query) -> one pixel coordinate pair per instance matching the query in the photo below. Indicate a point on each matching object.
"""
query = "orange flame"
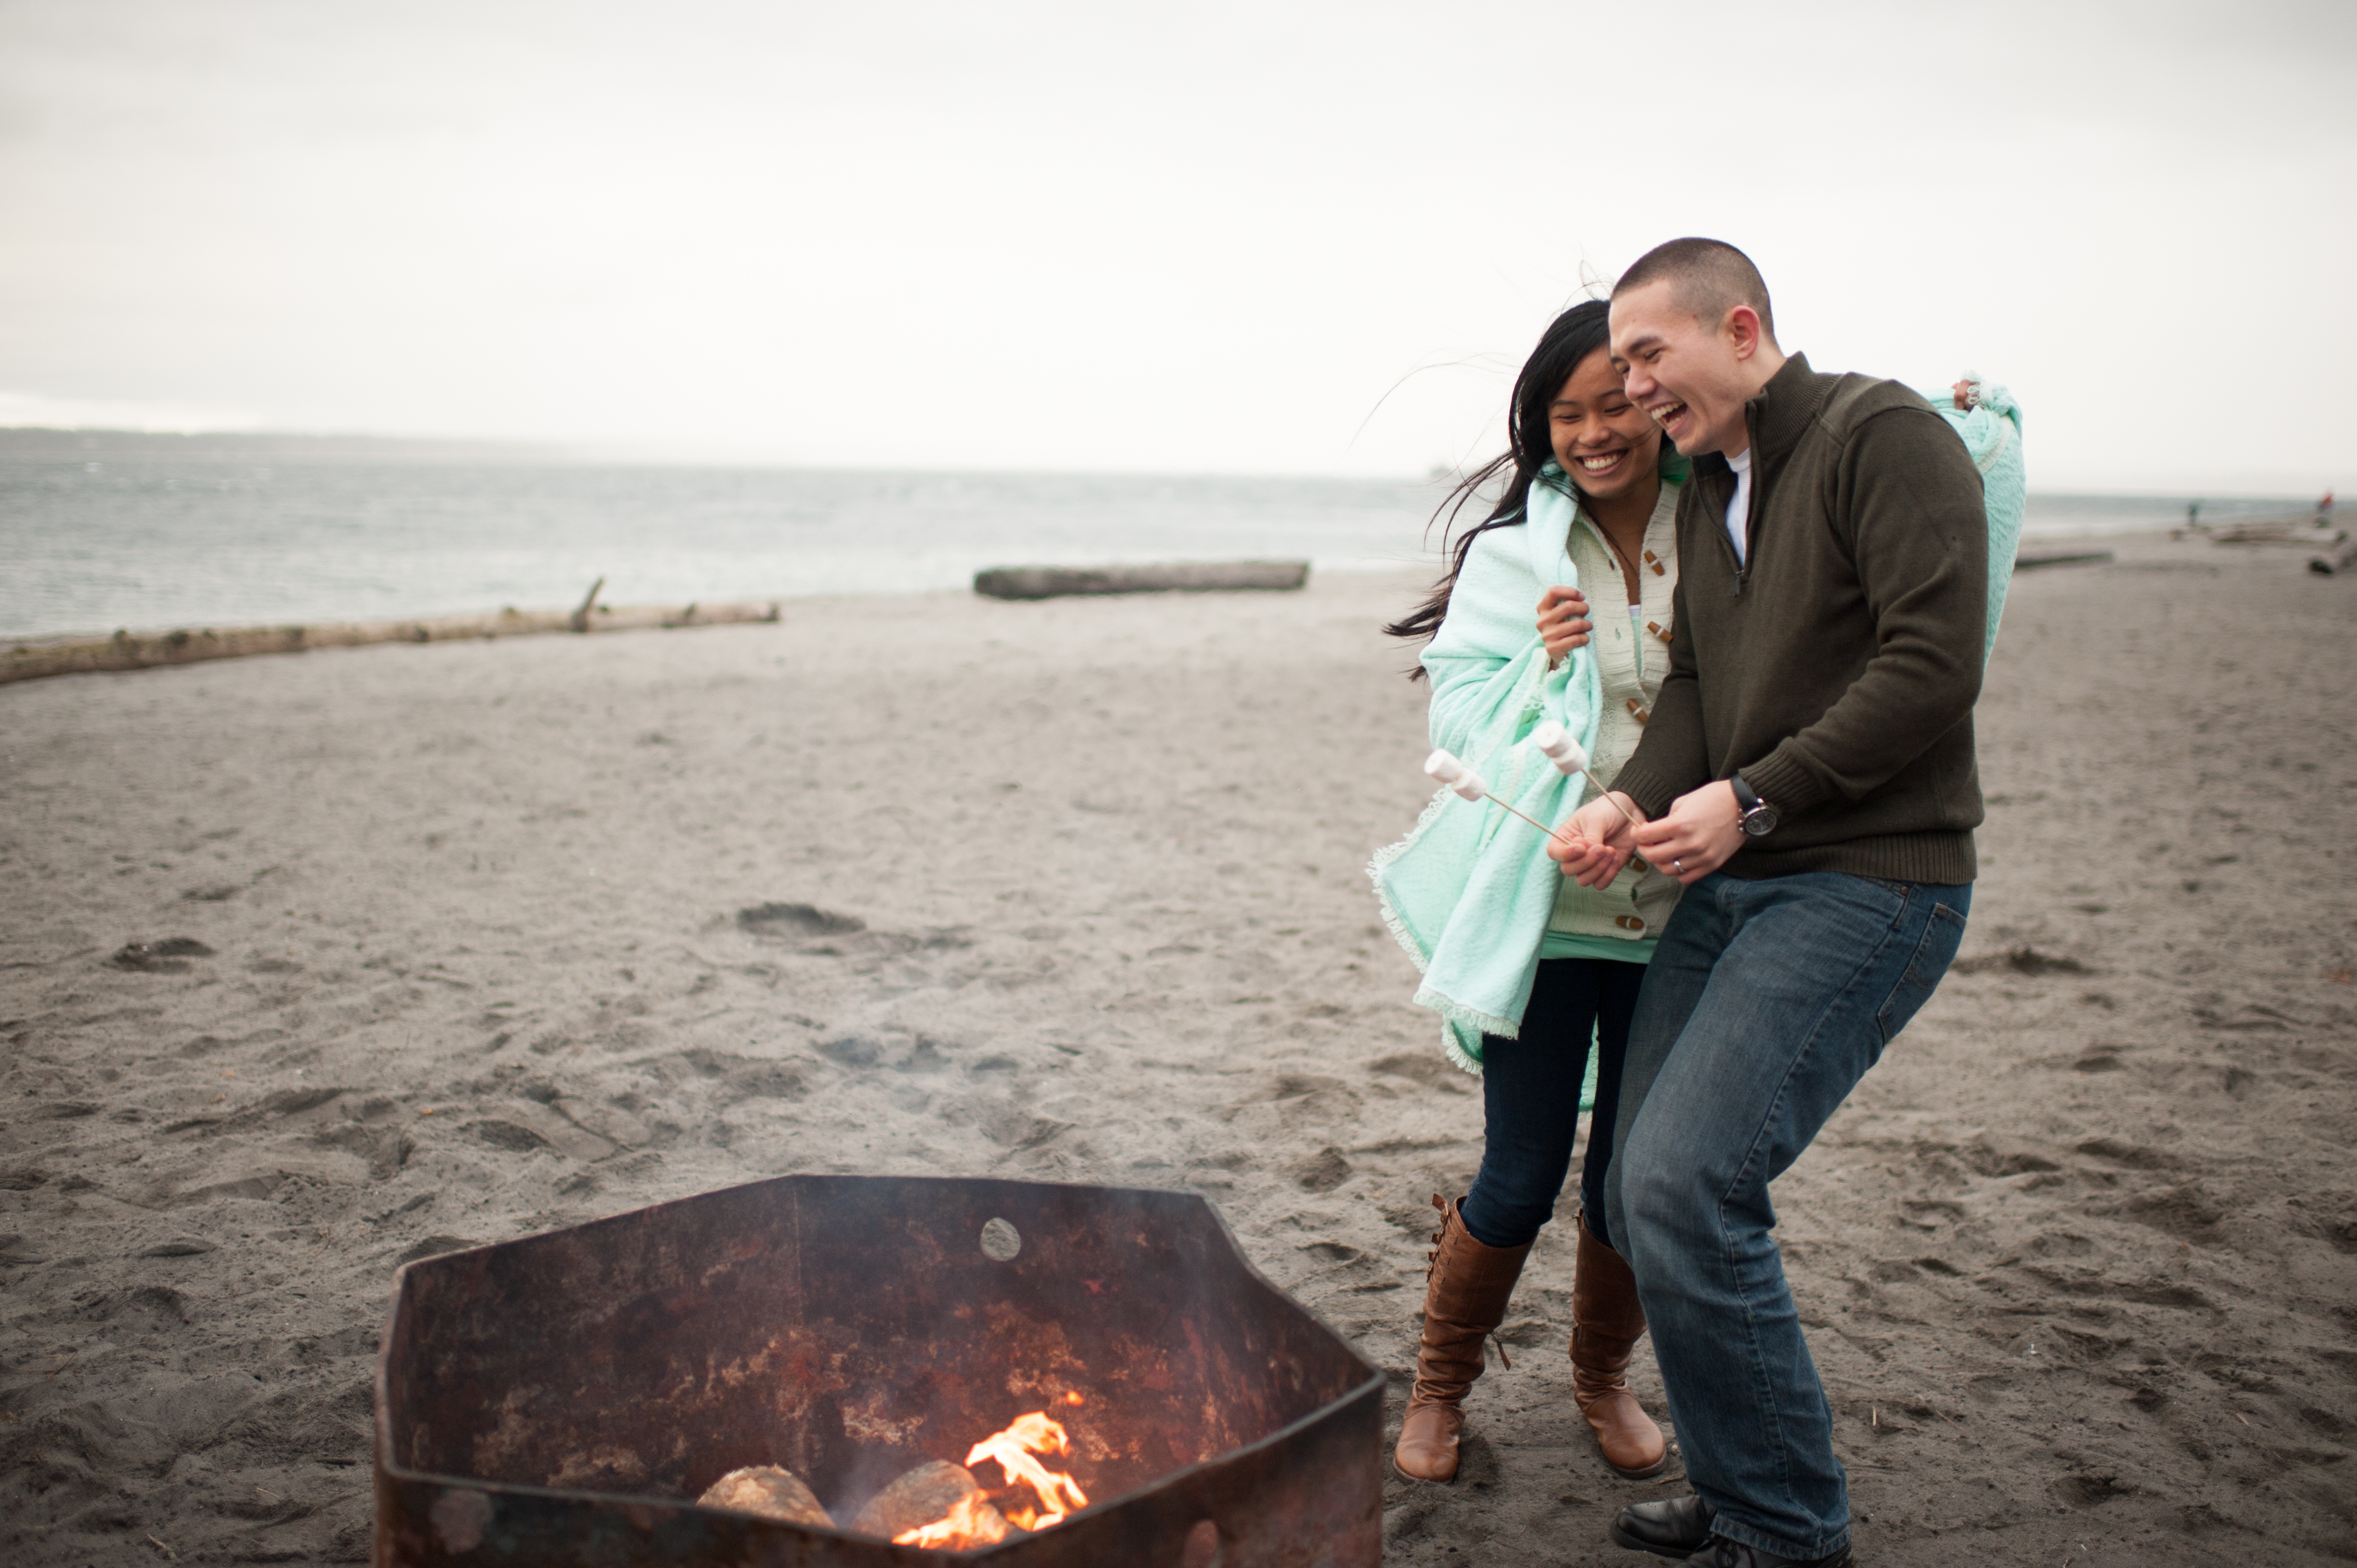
(964, 1525)
(1074, 1398)
(1014, 1449)
(967, 1523)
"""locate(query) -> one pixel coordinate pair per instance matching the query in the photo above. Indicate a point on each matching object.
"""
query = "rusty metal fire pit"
(564, 1398)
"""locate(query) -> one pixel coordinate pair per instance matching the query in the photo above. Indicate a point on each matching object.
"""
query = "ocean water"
(147, 533)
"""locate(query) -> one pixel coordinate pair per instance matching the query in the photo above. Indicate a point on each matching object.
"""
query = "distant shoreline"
(101, 530)
(44, 443)
(295, 635)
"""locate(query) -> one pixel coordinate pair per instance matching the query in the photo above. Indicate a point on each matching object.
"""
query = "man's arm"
(1911, 500)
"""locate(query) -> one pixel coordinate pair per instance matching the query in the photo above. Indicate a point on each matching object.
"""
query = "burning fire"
(1014, 1448)
(971, 1522)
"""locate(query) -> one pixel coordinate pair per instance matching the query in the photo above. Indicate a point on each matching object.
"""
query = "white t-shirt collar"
(1738, 505)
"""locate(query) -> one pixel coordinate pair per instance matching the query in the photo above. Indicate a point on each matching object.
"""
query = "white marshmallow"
(1555, 744)
(1447, 770)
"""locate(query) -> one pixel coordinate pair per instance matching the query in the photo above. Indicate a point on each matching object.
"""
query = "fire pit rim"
(1372, 1382)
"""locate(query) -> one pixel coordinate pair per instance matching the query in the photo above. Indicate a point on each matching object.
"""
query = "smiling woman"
(1566, 408)
(1528, 971)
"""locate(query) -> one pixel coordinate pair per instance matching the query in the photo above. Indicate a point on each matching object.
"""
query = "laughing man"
(1808, 774)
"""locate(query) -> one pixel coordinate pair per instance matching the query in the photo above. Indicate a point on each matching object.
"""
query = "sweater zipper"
(1751, 507)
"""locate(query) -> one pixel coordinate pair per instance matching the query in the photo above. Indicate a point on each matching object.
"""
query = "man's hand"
(1563, 622)
(1696, 837)
(1601, 842)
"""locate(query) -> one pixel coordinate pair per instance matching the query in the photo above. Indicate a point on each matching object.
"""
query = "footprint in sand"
(828, 933)
(169, 956)
(796, 921)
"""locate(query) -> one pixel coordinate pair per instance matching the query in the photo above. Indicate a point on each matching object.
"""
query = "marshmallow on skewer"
(1444, 768)
(1448, 769)
(1555, 744)
(1570, 759)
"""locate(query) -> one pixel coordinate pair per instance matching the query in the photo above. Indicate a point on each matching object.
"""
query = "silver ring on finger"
(1678, 865)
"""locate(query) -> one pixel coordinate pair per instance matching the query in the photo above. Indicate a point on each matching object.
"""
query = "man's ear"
(1743, 330)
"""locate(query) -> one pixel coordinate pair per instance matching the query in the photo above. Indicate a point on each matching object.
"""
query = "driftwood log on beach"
(32, 659)
(1175, 576)
(2030, 560)
(2339, 556)
(2295, 529)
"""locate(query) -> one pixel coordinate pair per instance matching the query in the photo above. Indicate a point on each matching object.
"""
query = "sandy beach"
(454, 943)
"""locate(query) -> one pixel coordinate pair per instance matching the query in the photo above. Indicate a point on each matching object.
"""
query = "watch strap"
(1747, 799)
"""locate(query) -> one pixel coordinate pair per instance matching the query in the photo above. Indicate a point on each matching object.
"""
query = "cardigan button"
(1629, 922)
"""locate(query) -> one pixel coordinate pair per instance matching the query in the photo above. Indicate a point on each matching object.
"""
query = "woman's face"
(1607, 445)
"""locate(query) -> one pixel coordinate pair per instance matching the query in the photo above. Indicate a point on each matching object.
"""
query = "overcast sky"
(1267, 237)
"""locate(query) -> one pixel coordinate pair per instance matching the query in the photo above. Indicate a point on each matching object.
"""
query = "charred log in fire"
(914, 1509)
(938, 1504)
(769, 1492)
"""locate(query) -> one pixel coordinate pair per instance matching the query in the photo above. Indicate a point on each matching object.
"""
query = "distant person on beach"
(1526, 965)
(1808, 776)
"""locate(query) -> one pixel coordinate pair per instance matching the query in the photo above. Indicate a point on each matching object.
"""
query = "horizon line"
(630, 453)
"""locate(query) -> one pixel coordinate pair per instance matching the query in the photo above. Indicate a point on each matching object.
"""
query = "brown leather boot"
(1465, 1295)
(1606, 1324)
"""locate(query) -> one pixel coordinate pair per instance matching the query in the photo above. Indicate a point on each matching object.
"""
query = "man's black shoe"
(1722, 1552)
(1677, 1528)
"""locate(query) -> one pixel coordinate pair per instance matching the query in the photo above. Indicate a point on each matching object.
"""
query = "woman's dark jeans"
(1529, 1094)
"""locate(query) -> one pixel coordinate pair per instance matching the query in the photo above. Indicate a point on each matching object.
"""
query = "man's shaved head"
(1694, 343)
(1708, 278)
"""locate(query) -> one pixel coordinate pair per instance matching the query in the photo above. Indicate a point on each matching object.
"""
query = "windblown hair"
(1711, 277)
(1570, 338)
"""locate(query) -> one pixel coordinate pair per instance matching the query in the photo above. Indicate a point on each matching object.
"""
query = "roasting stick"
(1555, 743)
(1446, 769)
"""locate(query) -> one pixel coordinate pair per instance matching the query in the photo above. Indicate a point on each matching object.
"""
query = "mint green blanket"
(1469, 890)
(1992, 433)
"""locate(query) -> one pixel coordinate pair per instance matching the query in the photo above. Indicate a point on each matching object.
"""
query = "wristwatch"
(1759, 818)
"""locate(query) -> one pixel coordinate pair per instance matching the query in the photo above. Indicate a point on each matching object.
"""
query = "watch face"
(1759, 821)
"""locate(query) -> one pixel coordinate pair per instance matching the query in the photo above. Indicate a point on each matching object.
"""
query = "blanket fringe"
(1453, 1016)
(1456, 1053)
(1466, 1017)
(1381, 861)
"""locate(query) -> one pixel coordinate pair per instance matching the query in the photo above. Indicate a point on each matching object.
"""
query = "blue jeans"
(1765, 1001)
(1530, 1100)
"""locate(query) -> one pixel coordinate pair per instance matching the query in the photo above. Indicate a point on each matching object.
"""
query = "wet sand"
(487, 953)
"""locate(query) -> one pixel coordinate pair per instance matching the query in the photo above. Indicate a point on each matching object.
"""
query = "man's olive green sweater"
(1835, 666)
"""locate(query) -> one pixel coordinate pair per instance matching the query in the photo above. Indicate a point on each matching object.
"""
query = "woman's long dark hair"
(1570, 338)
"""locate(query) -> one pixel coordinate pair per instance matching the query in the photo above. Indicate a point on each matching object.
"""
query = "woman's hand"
(1697, 836)
(1563, 622)
(1601, 842)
